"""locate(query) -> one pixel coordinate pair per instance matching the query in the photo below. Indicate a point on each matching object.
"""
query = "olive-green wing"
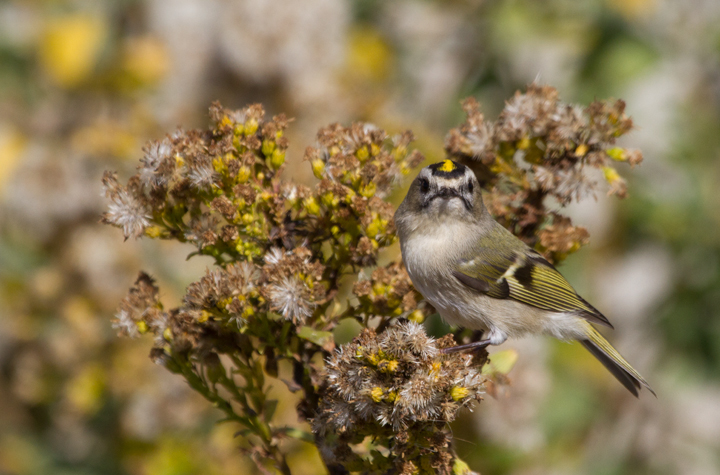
(526, 277)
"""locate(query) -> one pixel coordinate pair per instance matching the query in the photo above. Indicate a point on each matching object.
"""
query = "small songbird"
(478, 275)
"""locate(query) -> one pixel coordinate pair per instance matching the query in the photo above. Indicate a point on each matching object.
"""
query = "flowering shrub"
(283, 253)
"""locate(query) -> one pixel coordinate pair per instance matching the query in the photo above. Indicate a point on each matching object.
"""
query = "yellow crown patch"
(447, 166)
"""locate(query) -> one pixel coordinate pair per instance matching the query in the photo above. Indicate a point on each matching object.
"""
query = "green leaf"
(275, 317)
(243, 433)
(501, 362)
(269, 410)
(259, 375)
(297, 434)
(320, 338)
(460, 467)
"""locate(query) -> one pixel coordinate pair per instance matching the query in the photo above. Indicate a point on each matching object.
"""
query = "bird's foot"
(475, 346)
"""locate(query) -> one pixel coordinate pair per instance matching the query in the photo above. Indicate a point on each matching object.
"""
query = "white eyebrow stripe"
(449, 182)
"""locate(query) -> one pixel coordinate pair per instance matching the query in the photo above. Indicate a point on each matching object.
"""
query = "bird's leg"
(496, 337)
(475, 346)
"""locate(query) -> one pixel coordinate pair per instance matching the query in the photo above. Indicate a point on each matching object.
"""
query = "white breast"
(429, 258)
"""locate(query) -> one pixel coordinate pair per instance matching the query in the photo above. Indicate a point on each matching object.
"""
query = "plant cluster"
(282, 252)
(400, 390)
(539, 148)
(292, 262)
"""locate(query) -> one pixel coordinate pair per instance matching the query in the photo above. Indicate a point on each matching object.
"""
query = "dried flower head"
(398, 385)
(138, 308)
(153, 165)
(291, 298)
(388, 292)
(125, 210)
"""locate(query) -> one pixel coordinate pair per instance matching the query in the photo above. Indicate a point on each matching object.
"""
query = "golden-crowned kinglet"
(480, 276)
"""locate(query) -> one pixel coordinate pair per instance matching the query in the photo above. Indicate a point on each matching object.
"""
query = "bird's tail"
(614, 362)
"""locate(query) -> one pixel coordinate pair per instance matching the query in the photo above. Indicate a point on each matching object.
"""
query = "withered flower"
(152, 164)
(125, 209)
(398, 385)
(291, 297)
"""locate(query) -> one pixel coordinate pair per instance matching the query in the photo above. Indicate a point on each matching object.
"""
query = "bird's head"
(443, 191)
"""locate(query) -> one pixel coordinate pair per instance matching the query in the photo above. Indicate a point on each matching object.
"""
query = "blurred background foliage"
(83, 84)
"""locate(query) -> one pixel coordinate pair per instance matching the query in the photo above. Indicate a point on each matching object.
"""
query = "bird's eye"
(470, 187)
(424, 185)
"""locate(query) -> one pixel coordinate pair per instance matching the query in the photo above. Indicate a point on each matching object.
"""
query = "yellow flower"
(616, 153)
(581, 150)
(330, 200)
(369, 190)
(70, 47)
(458, 392)
(268, 146)
(277, 158)
(417, 316)
(318, 167)
(86, 389)
(142, 327)
(251, 127)
(312, 206)
(243, 174)
(362, 154)
(611, 175)
(388, 366)
(145, 59)
(369, 58)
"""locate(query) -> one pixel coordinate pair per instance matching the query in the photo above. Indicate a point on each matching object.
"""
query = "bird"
(478, 275)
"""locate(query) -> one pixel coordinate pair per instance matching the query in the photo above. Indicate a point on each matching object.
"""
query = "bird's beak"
(447, 193)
